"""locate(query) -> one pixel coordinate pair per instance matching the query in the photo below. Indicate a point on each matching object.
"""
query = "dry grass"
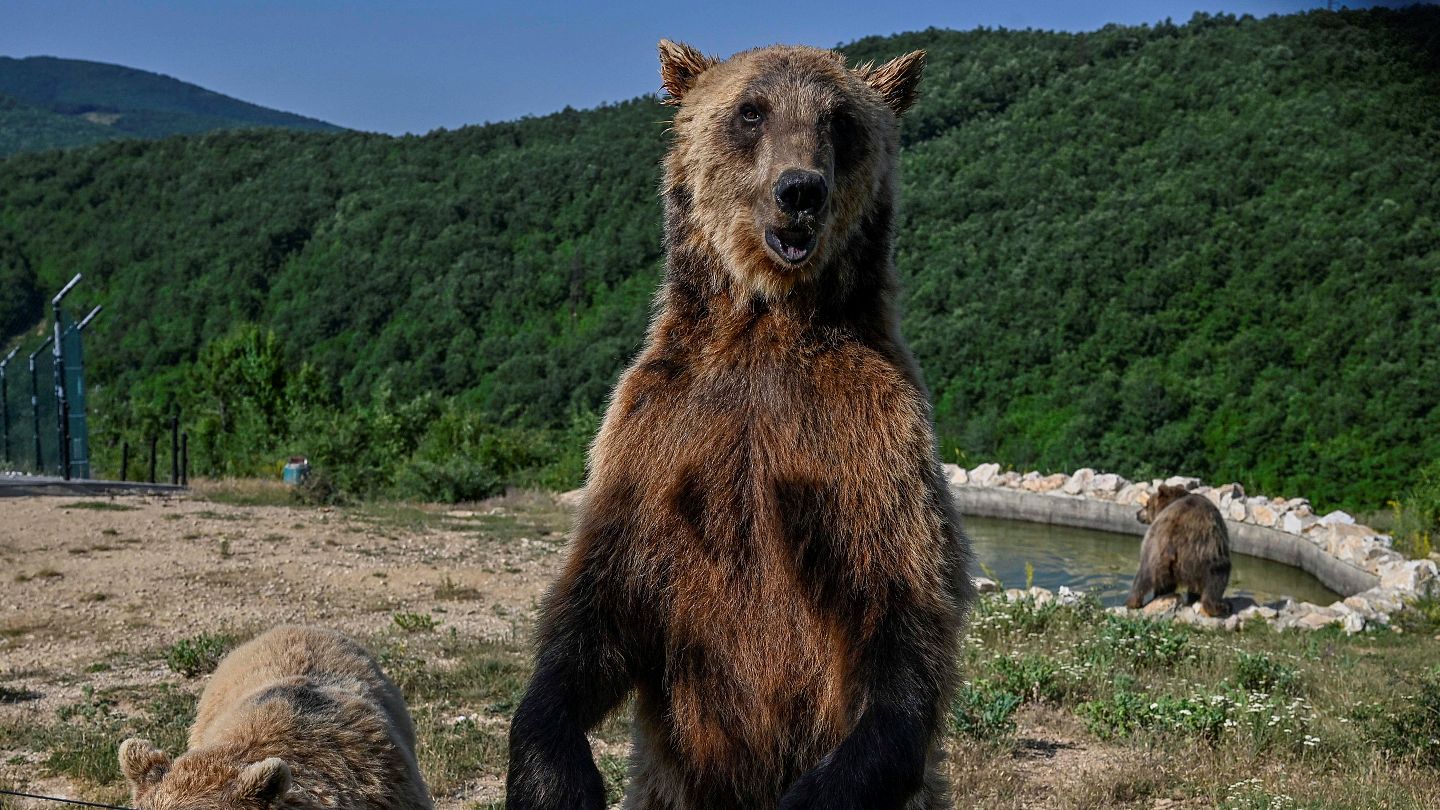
(244, 491)
(1062, 708)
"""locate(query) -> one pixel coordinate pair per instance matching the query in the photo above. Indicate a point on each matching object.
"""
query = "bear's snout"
(801, 193)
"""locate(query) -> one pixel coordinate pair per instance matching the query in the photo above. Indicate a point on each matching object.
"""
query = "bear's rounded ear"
(143, 764)
(897, 81)
(680, 65)
(264, 781)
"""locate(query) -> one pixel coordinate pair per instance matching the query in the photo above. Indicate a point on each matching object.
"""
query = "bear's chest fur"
(776, 502)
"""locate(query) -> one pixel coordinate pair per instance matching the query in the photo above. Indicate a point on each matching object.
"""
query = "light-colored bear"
(299, 717)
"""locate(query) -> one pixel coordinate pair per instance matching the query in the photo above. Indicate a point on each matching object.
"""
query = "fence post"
(174, 449)
(124, 461)
(62, 413)
(5, 405)
(184, 459)
(153, 441)
(64, 439)
(35, 404)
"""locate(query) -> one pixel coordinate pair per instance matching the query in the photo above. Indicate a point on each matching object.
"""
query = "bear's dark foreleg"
(1140, 587)
(580, 675)
(882, 763)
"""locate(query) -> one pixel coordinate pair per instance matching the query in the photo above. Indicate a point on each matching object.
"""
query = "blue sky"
(415, 65)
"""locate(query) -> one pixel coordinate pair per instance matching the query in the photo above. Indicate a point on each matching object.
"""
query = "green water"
(1103, 563)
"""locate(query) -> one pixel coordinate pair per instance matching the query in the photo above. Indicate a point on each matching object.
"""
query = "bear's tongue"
(793, 245)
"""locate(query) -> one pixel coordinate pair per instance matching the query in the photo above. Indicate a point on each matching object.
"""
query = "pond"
(1103, 563)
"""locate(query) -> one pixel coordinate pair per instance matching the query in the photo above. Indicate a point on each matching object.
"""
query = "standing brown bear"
(1187, 544)
(767, 554)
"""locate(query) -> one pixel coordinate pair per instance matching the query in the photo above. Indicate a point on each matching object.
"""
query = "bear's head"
(200, 780)
(1166, 495)
(782, 157)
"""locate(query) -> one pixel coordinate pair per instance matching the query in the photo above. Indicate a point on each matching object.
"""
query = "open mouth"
(794, 245)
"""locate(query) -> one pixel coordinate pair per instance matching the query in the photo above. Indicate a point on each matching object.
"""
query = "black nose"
(801, 192)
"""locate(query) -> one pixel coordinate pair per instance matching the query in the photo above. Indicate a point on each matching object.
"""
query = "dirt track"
(118, 579)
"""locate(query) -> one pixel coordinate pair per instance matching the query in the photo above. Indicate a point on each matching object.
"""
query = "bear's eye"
(750, 114)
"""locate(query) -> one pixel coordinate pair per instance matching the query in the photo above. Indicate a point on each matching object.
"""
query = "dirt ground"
(90, 579)
(92, 591)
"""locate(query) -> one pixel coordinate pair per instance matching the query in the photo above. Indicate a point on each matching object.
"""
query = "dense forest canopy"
(1210, 248)
(52, 103)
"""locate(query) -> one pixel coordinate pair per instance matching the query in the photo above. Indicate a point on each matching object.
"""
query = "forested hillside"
(1210, 248)
(52, 103)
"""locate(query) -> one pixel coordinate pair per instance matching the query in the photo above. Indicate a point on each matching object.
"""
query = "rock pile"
(1336, 534)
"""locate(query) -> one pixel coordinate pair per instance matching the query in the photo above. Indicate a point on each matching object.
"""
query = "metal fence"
(43, 424)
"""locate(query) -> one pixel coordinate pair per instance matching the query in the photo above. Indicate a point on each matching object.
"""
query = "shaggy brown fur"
(767, 553)
(300, 717)
(1187, 544)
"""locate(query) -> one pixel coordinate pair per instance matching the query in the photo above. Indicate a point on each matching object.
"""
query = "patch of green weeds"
(197, 655)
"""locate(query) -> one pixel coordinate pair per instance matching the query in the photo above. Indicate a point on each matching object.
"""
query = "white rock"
(1134, 494)
(1050, 483)
(1065, 596)
(1041, 596)
(1079, 481)
(984, 474)
(1168, 604)
(1262, 513)
(1360, 553)
(1415, 576)
(1009, 479)
(1352, 623)
(956, 475)
(1316, 618)
(1185, 482)
(1258, 611)
(571, 499)
(1380, 600)
(985, 585)
(1235, 510)
(1338, 517)
(1297, 521)
(1107, 482)
(1212, 495)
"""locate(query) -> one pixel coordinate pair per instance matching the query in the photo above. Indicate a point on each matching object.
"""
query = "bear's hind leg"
(1212, 597)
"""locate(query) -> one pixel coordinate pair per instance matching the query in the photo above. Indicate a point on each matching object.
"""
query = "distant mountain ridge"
(49, 103)
(1211, 248)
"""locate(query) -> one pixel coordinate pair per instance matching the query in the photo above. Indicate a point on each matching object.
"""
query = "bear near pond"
(1187, 545)
(767, 555)
(299, 717)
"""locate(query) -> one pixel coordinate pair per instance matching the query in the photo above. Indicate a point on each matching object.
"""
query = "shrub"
(1413, 729)
(1142, 642)
(1421, 615)
(1033, 677)
(1257, 672)
(1417, 515)
(415, 622)
(198, 655)
(984, 712)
